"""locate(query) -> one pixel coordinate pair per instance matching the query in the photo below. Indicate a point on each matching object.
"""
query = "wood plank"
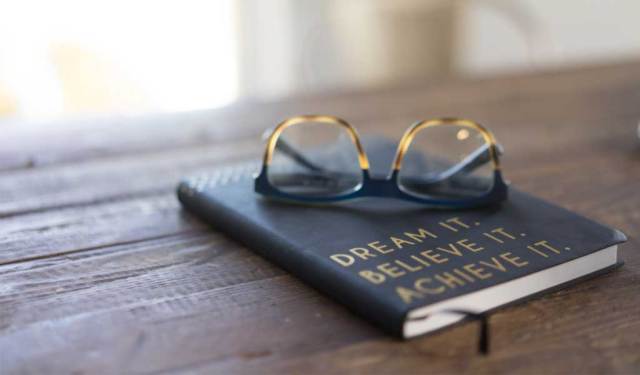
(136, 219)
(154, 270)
(155, 174)
(62, 186)
(196, 280)
(27, 146)
(36, 189)
(96, 181)
(104, 203)
(82, 228)
(116, 272)
(207, 295)
(612, 89)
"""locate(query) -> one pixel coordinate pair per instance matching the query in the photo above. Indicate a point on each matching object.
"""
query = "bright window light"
(79, 56)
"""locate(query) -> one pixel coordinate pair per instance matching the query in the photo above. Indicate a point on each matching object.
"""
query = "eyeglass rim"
(403, 146)
(410, 134)
(371, 187)
(363, 161)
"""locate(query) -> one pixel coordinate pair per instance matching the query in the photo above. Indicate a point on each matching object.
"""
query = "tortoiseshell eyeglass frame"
(384, 187)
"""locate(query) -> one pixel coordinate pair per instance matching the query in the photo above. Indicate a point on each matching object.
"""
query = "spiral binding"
(221, 176)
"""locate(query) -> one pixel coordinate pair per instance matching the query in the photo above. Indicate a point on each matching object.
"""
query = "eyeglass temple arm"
(294, 154)
(476, 159)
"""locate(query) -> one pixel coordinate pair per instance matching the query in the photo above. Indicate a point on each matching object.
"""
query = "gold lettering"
(377, 246)
(514, 259)
(471, 246)
(421, 235)
(343, 259)
(493, 237)
(449, 280)
(453, 250)
(420, 260)
(434, 257)
(456, 220)
(536, 247)
(477, 271)
(445, 225)
(407, 294)
(408, 267)
(390, 270)
(495, 264)
(373, 277)
(546, 245)
(362, 253)
(399, 242)
(463, 275)
(501, 231)
(419, 285)
(532, 248)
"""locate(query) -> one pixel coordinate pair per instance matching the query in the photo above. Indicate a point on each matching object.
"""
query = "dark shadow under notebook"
(403, 266)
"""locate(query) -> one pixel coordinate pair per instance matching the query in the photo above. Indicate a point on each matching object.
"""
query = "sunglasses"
(445, 162)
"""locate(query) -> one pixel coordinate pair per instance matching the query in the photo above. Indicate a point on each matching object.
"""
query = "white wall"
(499, 35)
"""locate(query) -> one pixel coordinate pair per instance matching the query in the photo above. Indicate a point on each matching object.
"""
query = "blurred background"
(70, 57)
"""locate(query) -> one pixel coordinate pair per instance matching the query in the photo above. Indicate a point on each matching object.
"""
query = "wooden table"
(101, 271)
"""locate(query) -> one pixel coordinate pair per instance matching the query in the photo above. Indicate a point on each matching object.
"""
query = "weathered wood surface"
(100, 270)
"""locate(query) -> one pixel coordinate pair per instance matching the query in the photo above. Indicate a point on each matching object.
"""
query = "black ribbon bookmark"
(483, 345)
(483, 318)
(483, 339)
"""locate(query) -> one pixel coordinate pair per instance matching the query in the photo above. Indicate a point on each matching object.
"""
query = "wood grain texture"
(102, 272)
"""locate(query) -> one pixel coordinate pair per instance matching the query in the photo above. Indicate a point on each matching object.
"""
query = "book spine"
(325, 278)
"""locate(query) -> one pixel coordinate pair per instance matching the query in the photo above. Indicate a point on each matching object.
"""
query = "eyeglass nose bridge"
(380, 185)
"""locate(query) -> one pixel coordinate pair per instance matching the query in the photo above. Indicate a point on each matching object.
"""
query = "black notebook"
(403, 266)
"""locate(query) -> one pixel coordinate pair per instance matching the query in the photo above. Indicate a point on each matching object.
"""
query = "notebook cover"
(370, 254)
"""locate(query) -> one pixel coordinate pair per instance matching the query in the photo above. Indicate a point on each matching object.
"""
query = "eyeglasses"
(446, 162)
